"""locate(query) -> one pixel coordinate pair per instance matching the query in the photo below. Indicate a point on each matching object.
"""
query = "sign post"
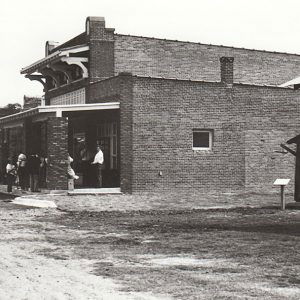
(282, 183)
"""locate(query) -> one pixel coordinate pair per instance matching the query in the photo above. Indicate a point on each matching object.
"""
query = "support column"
(28, 137)
(126, 128)
(297, 175)
(57, 146)
(3, 154)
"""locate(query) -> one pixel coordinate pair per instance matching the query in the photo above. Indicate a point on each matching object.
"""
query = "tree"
(10, 109)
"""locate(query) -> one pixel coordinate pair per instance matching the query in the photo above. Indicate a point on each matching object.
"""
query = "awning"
(58, 110)
(294, 140)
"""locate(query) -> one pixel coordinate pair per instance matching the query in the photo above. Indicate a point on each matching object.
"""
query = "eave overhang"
(55, 57)
(58, 110)
(294, 140)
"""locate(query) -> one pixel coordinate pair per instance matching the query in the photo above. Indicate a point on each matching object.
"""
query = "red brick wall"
(173, 59)
(272, 117)
(104, 91)
(101, 54)
(126, 133)
(249, 123)
(119, 89)
(57, 147)
(165, 114)
(101, 60)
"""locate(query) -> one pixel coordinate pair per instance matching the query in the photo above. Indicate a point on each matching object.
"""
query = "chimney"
(31, 102)
(101, 41)
(226, 69)
(94, 24)
(50, 45)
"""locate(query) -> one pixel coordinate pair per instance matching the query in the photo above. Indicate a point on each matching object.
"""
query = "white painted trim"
(79, 107)
(92, 191)
(14, 124)
(39, 62)
(291, 82)
(57, 109)
(79, 62)
(58, 113)
(75, 49)
(210, 137)
(73, 60)
(57, 54)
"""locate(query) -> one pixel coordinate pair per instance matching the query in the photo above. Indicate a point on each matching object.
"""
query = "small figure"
(98, 162)
(22, 170)
(42, 171)
(86, 157)
(71, 172)
(33, 167)
(11, 172)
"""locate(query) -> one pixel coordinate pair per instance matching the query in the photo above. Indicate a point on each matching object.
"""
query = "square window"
(202, 139)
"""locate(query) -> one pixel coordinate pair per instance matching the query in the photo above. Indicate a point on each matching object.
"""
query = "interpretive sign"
(282, 183)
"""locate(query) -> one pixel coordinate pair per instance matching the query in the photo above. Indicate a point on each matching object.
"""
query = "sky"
(25, 26)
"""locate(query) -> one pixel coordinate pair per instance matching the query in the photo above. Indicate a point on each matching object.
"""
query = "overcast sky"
(25, 26)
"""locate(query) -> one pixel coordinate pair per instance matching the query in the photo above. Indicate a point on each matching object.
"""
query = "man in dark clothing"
(33, 167)
(11, 172)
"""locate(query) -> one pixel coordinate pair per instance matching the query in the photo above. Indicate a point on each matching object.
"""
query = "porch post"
(2, 154)
(57, 151)
(297, 175)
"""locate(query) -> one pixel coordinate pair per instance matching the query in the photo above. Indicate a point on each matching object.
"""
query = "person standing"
(71, 172)
(33, 166)
(98, 162)
(85, 165)
(42, 171)
(22, 172)
(11, 172)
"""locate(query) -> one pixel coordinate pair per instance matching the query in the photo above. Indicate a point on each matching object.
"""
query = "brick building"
(170, 115)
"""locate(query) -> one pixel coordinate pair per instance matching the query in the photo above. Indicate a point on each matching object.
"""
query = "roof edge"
(204, 44)
(210, 81)
(68, 41)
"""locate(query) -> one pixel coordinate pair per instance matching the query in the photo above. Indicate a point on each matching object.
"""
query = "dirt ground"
(148, 252)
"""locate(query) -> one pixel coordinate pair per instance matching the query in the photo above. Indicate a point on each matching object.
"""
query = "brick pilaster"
(57, 145)
(126, 131)
(227, 69)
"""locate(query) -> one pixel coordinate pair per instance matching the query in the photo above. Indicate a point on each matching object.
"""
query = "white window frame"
(107, 130)
(210, 137)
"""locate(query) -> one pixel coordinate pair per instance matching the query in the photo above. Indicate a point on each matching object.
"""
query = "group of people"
(26, 171)
(89, 165)
(29, 171)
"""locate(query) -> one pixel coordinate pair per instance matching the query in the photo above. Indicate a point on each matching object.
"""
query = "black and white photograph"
(150, 150)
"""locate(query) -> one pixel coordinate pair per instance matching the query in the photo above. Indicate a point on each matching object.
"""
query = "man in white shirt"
(22, 171)
(98, 162)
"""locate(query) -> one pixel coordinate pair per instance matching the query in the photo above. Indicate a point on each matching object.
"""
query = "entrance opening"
(86, 132)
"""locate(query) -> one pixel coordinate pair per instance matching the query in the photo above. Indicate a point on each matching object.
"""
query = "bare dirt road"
(34, 267)
(236, 253)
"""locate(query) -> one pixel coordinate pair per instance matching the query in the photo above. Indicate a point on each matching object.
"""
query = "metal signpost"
(282, 183)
